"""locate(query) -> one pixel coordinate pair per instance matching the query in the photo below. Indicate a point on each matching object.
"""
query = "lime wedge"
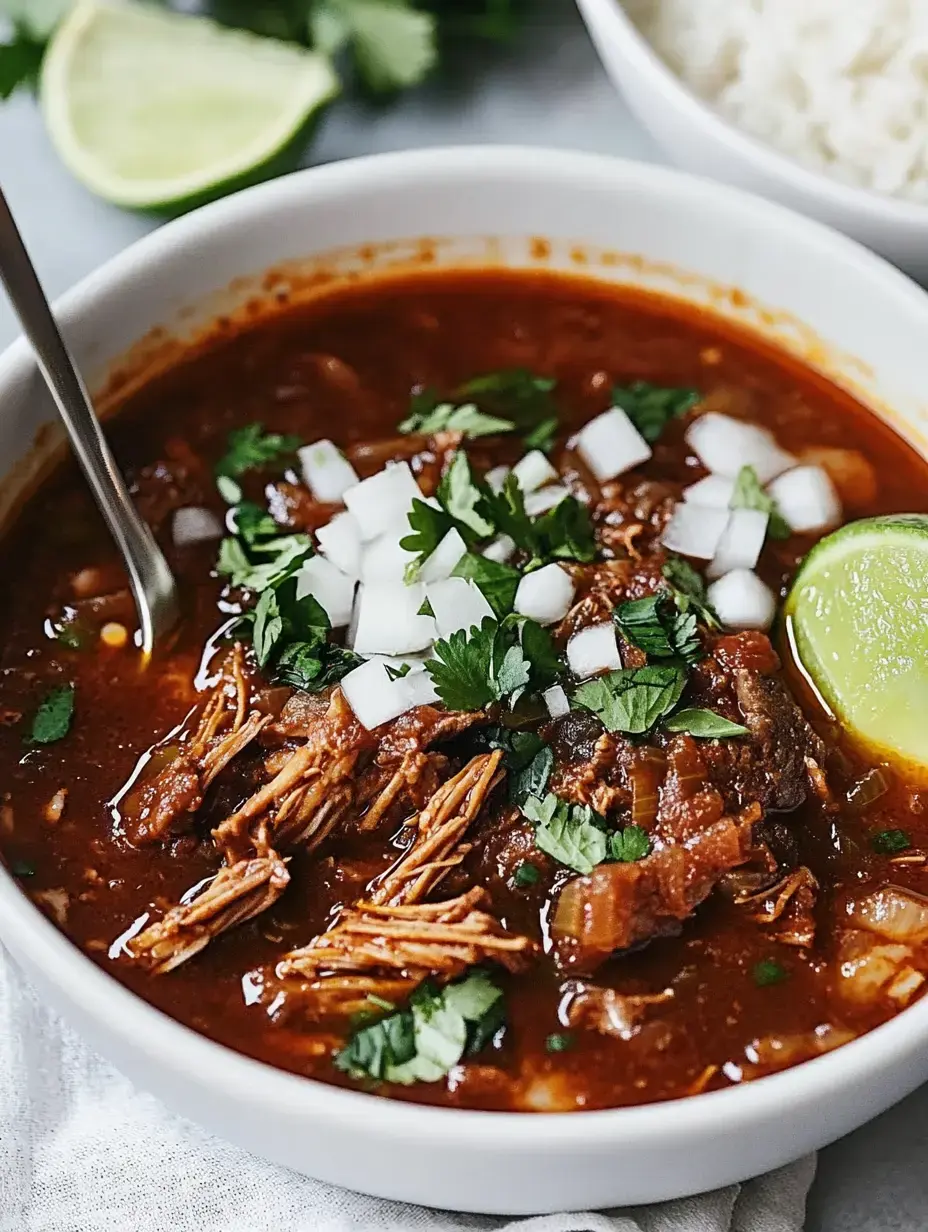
(858, 614)
(152, 109)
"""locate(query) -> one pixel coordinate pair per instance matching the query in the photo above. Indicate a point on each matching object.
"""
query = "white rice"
(840, 85)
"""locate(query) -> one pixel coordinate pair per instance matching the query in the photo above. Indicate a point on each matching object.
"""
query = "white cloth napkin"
(81, 1150)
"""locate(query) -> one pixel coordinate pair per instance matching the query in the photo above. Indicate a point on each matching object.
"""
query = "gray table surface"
(548, 90)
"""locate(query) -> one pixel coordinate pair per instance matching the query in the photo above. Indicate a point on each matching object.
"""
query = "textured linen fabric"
(81, 1150)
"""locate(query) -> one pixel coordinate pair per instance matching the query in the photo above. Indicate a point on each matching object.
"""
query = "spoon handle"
(152, 582)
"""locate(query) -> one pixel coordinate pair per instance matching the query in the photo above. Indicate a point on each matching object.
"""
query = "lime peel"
(153, 109)
(858, 616)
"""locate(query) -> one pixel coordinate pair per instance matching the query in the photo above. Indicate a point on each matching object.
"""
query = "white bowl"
(697, 138)
(822, 296)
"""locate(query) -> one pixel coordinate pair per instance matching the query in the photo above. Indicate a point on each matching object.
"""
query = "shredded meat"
(377, 950)
(235, 894)
(781, 735)
(166, 803)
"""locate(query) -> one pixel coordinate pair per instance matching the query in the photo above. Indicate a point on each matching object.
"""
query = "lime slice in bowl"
(858, 620)
(153, 110)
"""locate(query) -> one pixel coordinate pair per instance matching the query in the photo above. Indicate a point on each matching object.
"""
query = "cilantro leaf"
(572, 834)
(632, 700)
(655, 626)
(628, 845)
(890, 842)
(565, 532)
(20, 62)
(651, 407)
(251, 448)
(497, 582)
(497, 662)
(464, 419)
(506, 511)
(705, 724)
(526, 757)
(303, 665)
(278, 559)
(749, 494)
(460, 495)
(526, 874)
(767, 972)
(428, 527)
(424, 1041)
(462, 671)
(255, 527)
(521, 397)
(52, 720)
(689, 590)
(267, 626)
(542, 436)
(393, 44)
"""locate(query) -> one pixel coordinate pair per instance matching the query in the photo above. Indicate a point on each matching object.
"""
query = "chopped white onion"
(332, 589)
(724, 445)
(458, 603)
(327, 471)
(496, 478)
(420, 689)
(741, 542)
(545, 595)
(500, 549)
(373, 696)
(695, 530)
(195, 525)
(742, 601)
(556, 700)
(594, 650)
(715, 491)
(534, 471)
(340, 541)
(545, 499)
(388, 620)
(383, 500)
(807, 499)
(442, 562)
(610, 444)
(383, 560)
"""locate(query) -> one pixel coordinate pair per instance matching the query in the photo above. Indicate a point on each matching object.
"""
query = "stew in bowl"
(481, 771)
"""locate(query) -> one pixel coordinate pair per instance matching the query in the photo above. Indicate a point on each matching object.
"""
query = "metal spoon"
(153, 585)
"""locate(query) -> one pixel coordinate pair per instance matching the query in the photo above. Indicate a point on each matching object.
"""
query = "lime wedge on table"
(152, 109)
(859, 615)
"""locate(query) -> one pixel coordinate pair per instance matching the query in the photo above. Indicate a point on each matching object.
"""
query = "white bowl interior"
(819, 295)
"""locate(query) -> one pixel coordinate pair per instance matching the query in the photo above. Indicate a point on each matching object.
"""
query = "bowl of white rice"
(820, 104)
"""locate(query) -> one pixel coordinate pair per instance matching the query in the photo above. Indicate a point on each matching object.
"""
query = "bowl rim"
(645, 60)
(140, 1028)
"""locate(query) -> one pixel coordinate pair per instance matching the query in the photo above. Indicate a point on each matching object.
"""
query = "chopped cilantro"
(890, 842)
(651, 407)
(52, 720)
(559, 1041)
(497, 582)
(428, 527)
(705, 724)
(767, 972)
(466, 419)
(572, 834)
(254, 559)
(526, 875)
(659, 628)
(524, 399)
(460, 495)
(562, 533)
(632, 700)
(689, 590)
(251, 448)
(393, 44)
(424, 1041)
(525, 755)
(22, 868)
(496, 662)
(628, 845)
(749, 494)
(397, 673)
